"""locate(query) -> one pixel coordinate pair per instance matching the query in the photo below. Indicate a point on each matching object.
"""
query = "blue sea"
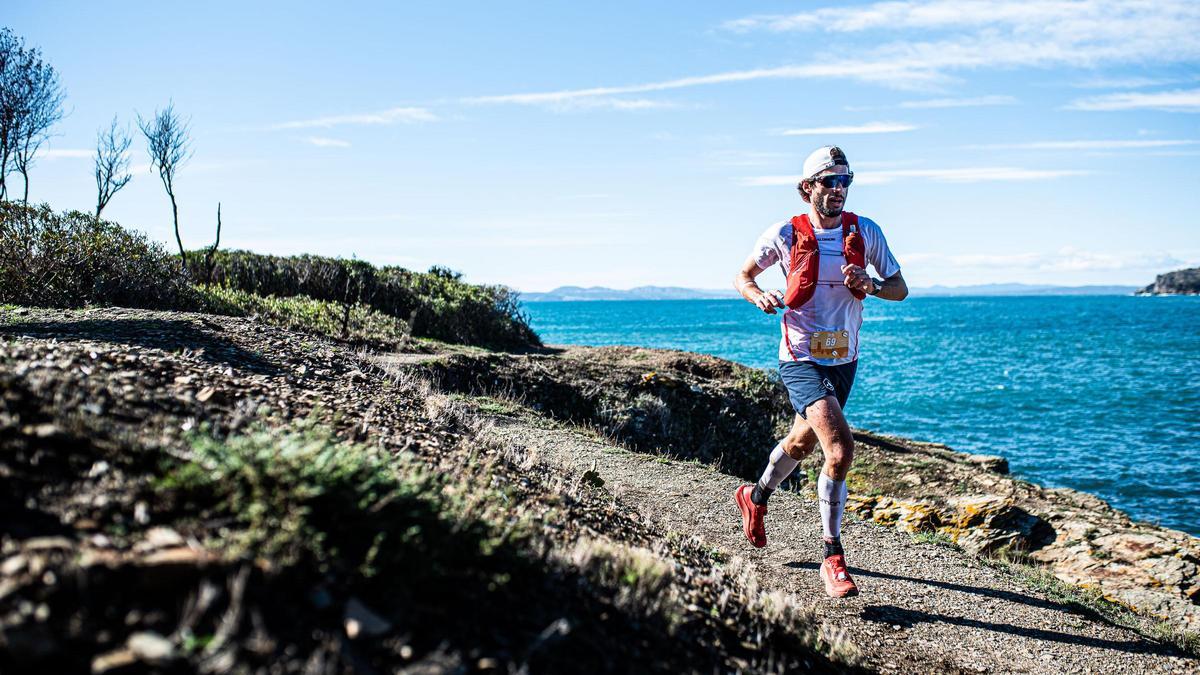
(1095, 393)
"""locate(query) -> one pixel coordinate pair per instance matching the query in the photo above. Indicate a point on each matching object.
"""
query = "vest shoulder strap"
(849, 223)
(802, 228)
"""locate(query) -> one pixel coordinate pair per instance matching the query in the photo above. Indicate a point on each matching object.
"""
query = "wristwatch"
(876, 286)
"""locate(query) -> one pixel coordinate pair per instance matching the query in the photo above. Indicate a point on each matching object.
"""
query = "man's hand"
(769, 300)
(745, 284)
(857, 279)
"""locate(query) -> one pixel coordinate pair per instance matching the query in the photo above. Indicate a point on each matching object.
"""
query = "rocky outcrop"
(1179, 282)
(671, 403)
(923, 487)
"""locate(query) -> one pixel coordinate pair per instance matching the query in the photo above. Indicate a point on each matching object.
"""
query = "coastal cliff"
(1179, 282)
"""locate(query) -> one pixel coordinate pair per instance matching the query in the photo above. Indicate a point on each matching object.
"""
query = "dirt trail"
(923, 607)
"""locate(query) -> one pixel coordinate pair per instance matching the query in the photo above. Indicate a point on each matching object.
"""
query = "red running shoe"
(752, 516)
(838, 583)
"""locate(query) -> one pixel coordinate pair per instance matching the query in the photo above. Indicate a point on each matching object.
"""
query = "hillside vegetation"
(71, 259)
(436, 304)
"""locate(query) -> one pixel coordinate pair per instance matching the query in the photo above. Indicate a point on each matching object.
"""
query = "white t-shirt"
(832, 307)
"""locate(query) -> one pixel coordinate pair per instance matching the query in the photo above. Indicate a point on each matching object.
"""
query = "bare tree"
(11, 50)
(211, 250)
(112, 163)
(30, 104)
(41, 108)
(169, 147)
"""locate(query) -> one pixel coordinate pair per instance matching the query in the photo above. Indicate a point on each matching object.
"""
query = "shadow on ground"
(907, 618)
(165, 334)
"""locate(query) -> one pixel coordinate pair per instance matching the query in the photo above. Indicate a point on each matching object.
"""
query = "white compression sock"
(778, 468)
(832, 495)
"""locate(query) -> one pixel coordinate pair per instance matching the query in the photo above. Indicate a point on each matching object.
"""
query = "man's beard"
(826, 210)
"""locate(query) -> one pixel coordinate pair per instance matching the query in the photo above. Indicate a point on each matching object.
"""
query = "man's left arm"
(879, 256)
(892, 288)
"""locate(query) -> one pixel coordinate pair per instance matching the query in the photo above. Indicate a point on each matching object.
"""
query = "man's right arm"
(746, 285)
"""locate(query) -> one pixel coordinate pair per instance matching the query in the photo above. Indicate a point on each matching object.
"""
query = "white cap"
(824, 158)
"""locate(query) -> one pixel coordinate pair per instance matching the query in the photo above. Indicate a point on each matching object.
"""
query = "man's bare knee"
(837, 441)
(839, 453)
(798, 448)
(838, 459)
(800, 440)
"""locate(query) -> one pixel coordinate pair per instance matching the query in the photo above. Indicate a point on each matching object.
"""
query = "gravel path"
(923, 607)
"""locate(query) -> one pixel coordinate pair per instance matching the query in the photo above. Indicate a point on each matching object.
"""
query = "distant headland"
(1179, 282)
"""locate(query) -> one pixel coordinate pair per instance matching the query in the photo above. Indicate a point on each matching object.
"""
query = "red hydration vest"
(806, 258)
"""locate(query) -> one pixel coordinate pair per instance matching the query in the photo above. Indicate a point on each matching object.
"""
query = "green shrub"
(72, 260)
(298, 494)
(360, 324)
(436, 304)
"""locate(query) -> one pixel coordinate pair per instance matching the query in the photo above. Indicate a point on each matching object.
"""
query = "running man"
(823, 254)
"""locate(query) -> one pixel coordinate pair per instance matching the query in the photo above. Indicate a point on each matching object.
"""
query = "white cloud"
(995, 99)
(868, 128)
(881, 72)
(1077, 19)
(1123, 83)
(1009, 33)
(998, 34)
(612, 103)
(391, 116)
(1068, 259)
(1178, 100)
(961, 175)
(968, 175)
(1174, 153)
(65, 153)
(631, 103)
(990, 34)
(322, 142)
(1084, 145)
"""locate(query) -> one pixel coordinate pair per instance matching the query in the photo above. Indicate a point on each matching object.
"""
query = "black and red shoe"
(752, 516)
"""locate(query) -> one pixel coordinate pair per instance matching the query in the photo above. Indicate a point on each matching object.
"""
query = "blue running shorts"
(809, 382)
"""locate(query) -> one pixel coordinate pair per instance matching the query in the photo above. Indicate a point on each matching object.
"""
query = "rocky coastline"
(1081, 539)
(1179, 282)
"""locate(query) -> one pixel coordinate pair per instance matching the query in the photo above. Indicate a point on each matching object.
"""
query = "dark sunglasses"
(842, 180)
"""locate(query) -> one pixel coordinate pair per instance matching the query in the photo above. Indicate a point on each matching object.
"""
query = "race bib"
(829, 344)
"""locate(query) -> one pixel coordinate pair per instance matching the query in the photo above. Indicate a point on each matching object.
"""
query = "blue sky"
(623, 144)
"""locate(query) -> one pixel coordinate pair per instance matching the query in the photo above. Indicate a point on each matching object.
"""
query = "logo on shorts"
(827, 384)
